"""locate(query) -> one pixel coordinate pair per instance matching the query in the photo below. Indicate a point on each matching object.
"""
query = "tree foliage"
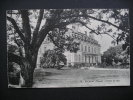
(53, 58)
(63, 41)
(115, 54)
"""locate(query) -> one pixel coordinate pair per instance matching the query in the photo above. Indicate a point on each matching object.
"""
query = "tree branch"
(26, 25)
(84, 24)
(109, 35)
(94, 30)
(35, 33)
(16, 28)
(53, 40)
(43, 33)
(107, 22)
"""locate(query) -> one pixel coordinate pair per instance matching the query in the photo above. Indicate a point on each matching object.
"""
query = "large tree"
(52, 58)
(31, 27)
(115, 54)
(112, 54)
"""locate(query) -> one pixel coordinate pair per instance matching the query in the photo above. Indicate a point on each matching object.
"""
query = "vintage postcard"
(57, 48)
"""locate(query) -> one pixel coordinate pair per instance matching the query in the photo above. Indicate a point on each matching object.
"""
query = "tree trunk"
(28, 78)
(28, 69)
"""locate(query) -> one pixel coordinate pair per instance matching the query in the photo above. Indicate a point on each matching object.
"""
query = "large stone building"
(89, 49)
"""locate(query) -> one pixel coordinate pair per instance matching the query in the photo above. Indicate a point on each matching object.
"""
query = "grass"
(45, 78)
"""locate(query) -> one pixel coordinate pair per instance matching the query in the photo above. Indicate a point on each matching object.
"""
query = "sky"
(104, 41)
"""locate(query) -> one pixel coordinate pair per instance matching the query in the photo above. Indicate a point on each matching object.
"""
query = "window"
(92, 59)
(82, 58)
(96, 59)
(89, 59)
(88, 49)
(85, 58)
(79, 58)
(85, 48)
(75, 57)
(94, 50)
(81, 47)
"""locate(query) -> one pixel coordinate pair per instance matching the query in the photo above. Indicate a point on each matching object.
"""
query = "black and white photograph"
(61, 48)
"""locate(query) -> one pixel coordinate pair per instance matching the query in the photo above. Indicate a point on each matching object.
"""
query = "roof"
(85, 38)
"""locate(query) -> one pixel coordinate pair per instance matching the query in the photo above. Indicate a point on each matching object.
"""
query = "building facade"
(89, 49)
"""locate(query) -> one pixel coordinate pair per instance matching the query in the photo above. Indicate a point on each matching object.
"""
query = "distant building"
(88, 54)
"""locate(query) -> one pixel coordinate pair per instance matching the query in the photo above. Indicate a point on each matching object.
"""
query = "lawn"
(46, 78)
